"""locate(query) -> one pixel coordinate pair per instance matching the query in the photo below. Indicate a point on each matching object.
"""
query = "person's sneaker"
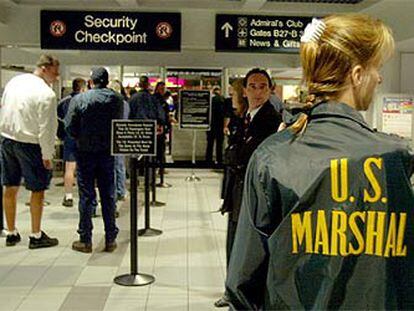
(13, 239)
(82, 247)
(110, 247)
(67, 202)
(43, 241)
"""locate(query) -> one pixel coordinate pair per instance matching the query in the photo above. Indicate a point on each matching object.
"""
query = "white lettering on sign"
(260, 33)
(266, 23)
(110, 37)
(122, 22)
(259, 43)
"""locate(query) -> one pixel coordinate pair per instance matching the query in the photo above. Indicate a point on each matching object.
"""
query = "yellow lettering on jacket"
(339, 189)
(372, 233)
(301, 229)
(376, 188)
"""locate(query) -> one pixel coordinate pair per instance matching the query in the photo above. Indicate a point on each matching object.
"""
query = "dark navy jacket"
(327, 219)
(62, 110)
(144, 106)
(89, 119)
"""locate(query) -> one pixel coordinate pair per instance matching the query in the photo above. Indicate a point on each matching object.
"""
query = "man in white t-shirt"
(28, 125)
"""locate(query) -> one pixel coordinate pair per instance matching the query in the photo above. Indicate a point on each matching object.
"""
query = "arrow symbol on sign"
(227, 28)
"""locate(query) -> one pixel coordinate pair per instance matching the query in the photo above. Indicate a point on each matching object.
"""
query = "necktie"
(247, 120)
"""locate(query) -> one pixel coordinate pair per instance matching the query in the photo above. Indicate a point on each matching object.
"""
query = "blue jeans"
(99, 166)
(120, 176)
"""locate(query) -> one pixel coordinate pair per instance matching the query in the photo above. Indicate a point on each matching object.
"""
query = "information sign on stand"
(259, 33)
(195, 114)
(195, 109)
(134, 137)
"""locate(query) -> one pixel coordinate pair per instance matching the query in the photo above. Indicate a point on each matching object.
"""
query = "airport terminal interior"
(208, 47)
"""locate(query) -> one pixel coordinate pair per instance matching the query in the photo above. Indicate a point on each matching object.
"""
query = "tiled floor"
(187, 259)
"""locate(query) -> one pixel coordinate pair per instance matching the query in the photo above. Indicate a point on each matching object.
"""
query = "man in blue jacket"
(89, 122)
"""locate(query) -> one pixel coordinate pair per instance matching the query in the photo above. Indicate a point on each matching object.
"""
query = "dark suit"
(264, 123)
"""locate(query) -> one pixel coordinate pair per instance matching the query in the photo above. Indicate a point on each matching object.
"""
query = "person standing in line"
(89, 122)
(69, 144)
(216, 132)
(327, 215)
(120, 171)
(28, 127)
(160, 98)
(260, 120)
(143, 106)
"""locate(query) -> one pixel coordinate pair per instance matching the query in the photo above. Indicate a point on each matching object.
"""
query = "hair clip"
(313, 31)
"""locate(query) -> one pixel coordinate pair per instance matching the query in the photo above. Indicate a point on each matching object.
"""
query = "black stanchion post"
(147, 231)
(134, 278)
(154, 201)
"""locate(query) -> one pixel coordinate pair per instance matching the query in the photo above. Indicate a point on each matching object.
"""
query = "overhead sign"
(128, 31)
(134, 137)
(256, 33)
(195, 109)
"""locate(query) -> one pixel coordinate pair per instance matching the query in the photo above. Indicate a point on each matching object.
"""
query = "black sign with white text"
(195, 109)
(256, 33)
(100, 30)
(134, 137)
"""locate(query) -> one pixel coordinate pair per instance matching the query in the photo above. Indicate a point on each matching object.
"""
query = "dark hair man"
(144, 106)
(260, 121)
(69, 144)
(89, 122)
(28, 126)
(216, 134)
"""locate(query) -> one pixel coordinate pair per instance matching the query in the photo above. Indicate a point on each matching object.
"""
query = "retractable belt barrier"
(147, 230)
(134, 278)
(135, 137)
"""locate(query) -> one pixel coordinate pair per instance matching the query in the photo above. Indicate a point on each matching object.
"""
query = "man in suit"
(260, 121)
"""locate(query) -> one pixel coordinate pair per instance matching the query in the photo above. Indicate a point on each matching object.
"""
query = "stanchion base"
(149, 232)
(139, 279)
(156, 204)
(192, 178)
(163, 185)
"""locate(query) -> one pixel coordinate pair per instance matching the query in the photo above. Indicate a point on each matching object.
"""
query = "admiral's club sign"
(87, 30)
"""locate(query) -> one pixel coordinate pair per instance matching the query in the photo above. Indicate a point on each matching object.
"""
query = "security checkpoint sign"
(257, 33)
(134, 137)
(100, 30)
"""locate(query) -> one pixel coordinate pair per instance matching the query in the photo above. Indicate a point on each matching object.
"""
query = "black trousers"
(231, 234)
(218, 138)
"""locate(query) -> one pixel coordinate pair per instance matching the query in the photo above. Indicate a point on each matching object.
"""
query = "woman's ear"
(357, 75)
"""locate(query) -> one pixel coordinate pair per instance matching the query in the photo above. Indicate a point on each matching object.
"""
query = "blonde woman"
(327, 215)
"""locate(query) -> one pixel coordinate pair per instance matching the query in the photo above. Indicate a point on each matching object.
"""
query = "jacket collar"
(335, 109)
(326, 110)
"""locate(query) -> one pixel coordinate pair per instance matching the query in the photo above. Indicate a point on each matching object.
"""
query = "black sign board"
(195, 109)
(100, 30)
(256, 33)
(135, 137)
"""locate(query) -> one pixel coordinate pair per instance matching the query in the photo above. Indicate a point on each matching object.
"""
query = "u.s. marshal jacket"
(327, 219)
